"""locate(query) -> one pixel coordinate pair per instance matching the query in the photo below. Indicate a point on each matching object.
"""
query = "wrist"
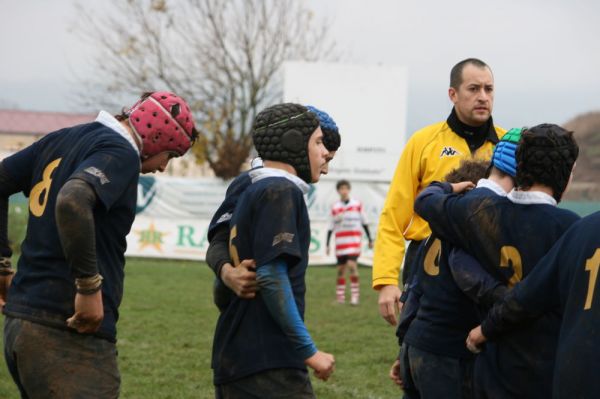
(224, 270)
(88, 285)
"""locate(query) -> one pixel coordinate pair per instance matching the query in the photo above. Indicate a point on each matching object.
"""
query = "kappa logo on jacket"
(449, 152)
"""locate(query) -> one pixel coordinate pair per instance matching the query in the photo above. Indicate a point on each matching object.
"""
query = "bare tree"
(221, 55)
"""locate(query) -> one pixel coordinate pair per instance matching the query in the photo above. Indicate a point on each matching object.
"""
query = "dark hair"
(469, 170)
(342, 183)
(456, 74)
(546, 155)
(124, 115)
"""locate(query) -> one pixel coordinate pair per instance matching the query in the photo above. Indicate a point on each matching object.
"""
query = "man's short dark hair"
(342, 183)
(456, 73)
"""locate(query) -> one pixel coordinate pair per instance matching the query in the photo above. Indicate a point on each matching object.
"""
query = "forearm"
(431, 196)
(276, 292)
(7, 188)
(409, 312)
(367, 232)
(470, 276)
(505, 316)
(217, 254)
(76, 227)
(431, 205)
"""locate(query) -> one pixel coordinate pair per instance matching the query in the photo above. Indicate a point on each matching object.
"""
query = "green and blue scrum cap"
(504, 157)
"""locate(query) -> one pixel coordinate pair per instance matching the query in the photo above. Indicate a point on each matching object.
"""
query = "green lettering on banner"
(315, 243)
(185, 237)
(186, 233)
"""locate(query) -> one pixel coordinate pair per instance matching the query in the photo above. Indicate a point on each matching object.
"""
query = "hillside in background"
(586, 183)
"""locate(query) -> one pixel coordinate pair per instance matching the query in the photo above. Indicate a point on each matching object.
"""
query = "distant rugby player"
(347, 221)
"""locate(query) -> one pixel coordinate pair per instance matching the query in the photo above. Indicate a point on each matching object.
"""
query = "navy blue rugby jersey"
(270, 221)
(445, 314)
(508, 239)
(567, 279)
(43, 288)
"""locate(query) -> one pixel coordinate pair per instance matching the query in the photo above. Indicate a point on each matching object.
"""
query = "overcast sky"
(545, 55)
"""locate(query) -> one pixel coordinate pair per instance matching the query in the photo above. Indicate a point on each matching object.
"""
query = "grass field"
(167, 323)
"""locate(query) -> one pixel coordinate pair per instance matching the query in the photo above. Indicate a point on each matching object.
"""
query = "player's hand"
(463, 186)
(89, 313)
(242, 279)
(475, 340)
(389, 303)
(395, 374)
(322, 363)
(4, 285)
(370, 244)
(327, 250)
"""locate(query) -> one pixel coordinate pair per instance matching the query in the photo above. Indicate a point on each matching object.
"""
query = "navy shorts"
(272, 384)
(47, 362)
(430, 376)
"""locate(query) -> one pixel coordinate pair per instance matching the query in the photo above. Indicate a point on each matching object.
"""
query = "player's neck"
(505, 182)
(280, 165)
(133, 135)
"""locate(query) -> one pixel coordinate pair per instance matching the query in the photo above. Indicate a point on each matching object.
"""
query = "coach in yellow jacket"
(429, 155)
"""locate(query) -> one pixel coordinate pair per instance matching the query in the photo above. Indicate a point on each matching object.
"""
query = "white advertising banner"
(369, 105)
(174, 215)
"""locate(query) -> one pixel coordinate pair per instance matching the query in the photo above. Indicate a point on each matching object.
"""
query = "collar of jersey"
(531, 197)
(491, 185)
(111, 122)
(263, 173)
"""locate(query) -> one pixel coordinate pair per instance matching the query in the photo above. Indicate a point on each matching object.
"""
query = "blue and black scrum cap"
(331, 134)
(504, 157)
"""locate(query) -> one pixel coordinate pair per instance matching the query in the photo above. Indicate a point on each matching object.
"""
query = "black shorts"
(342, 260)
(275, 383)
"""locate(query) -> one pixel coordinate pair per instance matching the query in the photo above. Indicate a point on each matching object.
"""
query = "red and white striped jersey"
(347, 220)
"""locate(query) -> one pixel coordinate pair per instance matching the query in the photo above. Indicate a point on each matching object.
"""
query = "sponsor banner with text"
(173, 216)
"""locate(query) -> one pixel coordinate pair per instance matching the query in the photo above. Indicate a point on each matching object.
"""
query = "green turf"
(167, 323)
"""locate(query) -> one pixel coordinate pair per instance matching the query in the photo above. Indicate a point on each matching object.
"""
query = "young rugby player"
(62, 306)
(261, 346)
(347, 219)
(241, 280)
(432, 366)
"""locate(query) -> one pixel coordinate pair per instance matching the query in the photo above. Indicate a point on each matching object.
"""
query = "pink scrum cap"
(164, 123)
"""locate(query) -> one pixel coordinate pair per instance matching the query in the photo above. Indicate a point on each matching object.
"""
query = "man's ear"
(452, 94)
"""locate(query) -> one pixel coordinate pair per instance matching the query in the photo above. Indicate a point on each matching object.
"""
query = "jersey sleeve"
(445, 212)
(19, 166)
(275, 224)
(470, 276)
(395, 218)
(110, 170)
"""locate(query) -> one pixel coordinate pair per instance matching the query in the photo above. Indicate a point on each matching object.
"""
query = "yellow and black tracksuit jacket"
(428, 156)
